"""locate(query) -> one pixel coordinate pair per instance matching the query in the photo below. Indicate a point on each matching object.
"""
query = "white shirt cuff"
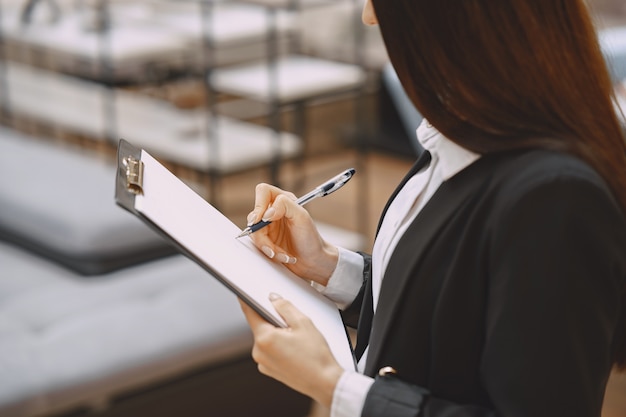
(345, 282)
(350, 394)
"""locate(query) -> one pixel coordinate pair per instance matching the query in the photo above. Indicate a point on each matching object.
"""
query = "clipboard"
(198, 230)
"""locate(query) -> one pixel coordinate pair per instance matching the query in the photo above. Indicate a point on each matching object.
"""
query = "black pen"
(322, 190)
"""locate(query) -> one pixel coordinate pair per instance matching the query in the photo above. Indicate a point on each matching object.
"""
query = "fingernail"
(251, 218)
(281, 257)
(268, 214)
(268, 251)
(273, 296)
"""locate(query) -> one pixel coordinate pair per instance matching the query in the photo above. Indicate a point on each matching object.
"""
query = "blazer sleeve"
(391, 397)
(555, 266)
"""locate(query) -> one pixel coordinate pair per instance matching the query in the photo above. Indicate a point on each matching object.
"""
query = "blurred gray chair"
(58, 202)
(162, 339)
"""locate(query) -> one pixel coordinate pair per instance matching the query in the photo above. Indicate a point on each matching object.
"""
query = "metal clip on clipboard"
(134, 175)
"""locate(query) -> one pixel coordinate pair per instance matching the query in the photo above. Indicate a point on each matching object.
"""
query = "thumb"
(292, 316)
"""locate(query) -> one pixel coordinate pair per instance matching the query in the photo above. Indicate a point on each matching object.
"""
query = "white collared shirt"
(448, 159)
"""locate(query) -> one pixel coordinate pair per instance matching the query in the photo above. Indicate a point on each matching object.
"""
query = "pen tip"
(245, 232)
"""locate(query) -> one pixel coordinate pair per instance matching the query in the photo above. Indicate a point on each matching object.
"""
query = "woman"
(497, 281)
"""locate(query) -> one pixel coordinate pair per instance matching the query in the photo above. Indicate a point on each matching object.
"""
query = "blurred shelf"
(230, 23)
(143, 44)
(272, 4)
(296, 78)
(190, 138)
(291, 4)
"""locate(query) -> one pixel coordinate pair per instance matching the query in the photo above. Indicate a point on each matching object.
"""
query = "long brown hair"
(496, 75)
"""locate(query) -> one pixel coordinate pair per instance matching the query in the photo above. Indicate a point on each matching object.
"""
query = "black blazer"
(503, 297)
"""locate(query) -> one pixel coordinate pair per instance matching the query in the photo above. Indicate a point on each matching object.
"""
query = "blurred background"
(98, 314)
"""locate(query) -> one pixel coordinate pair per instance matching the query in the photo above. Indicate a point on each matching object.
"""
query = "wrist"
(328, 383)
(325, 265)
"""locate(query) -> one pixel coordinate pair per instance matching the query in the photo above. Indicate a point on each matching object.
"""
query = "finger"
(292, 316)
(284, 258)
(264, 195)
(262, 199)
(276, 254)
(280, 256)
(283, 205)
(268, 247)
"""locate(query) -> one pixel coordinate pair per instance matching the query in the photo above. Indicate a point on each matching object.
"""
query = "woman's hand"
(292, 238)
(298, 356)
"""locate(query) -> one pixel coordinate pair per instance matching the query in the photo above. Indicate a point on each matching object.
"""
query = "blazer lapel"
(409, 252)
(367, 310)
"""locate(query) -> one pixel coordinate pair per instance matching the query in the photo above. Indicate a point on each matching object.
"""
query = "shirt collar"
(452, 157)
